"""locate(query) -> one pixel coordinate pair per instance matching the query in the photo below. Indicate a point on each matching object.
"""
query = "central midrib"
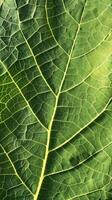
(56, 103)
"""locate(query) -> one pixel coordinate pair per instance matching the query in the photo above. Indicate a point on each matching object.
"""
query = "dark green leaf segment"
(55, 99)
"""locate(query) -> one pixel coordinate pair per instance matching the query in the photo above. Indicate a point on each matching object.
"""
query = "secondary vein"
(16, 173)
(22, 94)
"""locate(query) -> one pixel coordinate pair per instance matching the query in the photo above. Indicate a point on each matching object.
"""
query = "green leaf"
(55, 99)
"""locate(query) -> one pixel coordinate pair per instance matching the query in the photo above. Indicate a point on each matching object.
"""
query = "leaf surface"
(55, 100)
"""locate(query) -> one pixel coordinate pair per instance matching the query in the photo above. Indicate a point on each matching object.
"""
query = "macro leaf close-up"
(55, 99)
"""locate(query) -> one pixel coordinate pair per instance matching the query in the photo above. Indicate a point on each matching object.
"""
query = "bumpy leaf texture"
(55, 100)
